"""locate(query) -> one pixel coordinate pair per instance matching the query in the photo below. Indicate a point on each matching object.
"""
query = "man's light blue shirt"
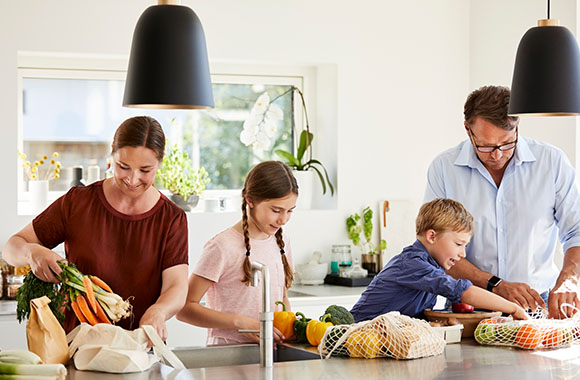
(517, 224)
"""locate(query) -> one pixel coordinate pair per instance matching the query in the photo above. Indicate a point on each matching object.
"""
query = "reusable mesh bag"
(388, 335)
(538, 332)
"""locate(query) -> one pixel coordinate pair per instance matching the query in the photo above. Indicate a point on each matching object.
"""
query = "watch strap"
(493, 282)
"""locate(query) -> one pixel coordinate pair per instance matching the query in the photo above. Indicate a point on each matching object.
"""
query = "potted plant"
(255, 132)
(370, 253)
(183, 181)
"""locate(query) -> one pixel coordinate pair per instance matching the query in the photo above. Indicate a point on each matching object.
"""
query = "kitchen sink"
(228, 355)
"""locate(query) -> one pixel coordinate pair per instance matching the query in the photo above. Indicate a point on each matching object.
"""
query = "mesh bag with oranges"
(388, 335)
(538, 332)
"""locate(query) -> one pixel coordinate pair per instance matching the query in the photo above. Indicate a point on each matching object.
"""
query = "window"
(73, 106)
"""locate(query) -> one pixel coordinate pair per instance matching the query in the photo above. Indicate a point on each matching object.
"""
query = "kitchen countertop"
(324, 290)
(8, 307)
(467, 360)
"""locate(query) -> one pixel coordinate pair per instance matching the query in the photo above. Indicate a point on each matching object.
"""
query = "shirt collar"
(420, 247)
(467, 156)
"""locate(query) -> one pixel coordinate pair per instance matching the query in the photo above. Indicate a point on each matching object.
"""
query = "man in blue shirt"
(523, 194)
(411, 281)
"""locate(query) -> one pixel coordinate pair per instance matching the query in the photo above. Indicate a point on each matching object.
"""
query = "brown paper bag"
(45, 336)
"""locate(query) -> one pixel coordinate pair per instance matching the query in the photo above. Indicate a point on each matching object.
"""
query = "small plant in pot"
(183, 181)
(360, 231)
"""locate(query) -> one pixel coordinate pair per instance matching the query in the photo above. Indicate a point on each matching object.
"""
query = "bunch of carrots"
(91, 299)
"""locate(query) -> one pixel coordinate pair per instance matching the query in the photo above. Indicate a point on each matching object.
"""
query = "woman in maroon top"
(122, 230)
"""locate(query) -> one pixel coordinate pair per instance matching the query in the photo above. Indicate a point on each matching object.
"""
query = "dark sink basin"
(228, 355)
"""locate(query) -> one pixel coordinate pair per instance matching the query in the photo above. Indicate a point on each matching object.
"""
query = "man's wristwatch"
(493, 282)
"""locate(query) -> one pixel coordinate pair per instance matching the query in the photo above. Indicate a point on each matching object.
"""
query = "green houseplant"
(263, 114)
(183, 181)
(360, 232)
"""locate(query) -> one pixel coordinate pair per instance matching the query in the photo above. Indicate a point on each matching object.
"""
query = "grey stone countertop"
(466, 360)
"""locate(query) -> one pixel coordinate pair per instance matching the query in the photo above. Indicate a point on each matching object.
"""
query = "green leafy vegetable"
(35, 288)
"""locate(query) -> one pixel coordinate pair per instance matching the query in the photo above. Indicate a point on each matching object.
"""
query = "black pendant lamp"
(546, 80)
(168, 66)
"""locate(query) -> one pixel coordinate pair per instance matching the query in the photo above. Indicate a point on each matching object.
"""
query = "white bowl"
(312, 274)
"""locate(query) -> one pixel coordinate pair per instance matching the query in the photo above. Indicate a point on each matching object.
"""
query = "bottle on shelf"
(77, 176)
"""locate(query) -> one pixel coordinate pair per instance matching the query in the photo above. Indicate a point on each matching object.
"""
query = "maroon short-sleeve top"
(128, 252)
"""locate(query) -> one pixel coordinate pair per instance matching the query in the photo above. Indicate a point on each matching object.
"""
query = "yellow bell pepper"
(284, 321)
(315, 330)
(364, 344)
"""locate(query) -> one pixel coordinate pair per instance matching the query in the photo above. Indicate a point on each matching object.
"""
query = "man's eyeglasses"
(490, 149)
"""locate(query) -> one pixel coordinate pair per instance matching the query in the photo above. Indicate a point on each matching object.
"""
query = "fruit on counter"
(364, 344)
(315, 330)
(553, 337)
(284, 321)
(300, 325)
(332, 338)
(339, 315)
(485, 332)
(23, 364)
(461, 308)
(89, 297)
(506, 333)
(529, 337)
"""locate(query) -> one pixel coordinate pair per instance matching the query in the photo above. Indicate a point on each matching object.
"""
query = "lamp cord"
(548, 9)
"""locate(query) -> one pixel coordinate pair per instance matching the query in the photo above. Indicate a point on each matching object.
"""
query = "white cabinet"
(314, 307)
(12, 333)
(181, 334)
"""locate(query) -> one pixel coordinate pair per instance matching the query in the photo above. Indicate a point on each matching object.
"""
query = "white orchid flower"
(247, 138)
(252, 125)
(262, 141)
(274, 112)
(261, 104)
(269, 128)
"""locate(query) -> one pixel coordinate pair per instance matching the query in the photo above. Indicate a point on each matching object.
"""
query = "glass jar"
(13, 283)
(340, 256)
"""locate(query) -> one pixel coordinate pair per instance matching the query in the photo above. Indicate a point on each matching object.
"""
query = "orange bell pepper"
(284, 321)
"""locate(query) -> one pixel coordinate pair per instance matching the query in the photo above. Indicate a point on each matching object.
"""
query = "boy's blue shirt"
(409, 283)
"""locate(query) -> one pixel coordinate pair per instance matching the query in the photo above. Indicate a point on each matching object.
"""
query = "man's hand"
(565, 292)
(520, 293)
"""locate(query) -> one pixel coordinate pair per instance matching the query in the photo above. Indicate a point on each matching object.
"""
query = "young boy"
(412, 280)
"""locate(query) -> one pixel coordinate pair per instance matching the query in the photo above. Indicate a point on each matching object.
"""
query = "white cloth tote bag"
(109, 348)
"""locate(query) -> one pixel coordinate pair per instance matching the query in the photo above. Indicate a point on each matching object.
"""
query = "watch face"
(494, 281)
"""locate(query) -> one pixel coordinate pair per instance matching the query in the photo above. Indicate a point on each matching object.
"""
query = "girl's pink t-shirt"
(222, 261)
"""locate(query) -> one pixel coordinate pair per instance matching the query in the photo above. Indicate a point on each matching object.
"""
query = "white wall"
(496, 29)
(404, 69)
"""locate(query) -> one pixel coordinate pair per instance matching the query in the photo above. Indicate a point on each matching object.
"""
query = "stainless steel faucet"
(266, 316)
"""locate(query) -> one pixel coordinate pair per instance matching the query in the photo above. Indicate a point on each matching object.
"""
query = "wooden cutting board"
(397, 225)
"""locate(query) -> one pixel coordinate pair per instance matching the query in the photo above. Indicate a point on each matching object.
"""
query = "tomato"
(461, 308)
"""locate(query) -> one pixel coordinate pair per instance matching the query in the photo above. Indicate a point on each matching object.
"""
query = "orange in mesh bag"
(540, 332)
(388, 335)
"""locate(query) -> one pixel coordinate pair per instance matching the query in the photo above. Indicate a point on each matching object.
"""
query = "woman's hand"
(44, 263)
(156, 318)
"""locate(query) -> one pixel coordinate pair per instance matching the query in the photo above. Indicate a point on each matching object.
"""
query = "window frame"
(113, 67)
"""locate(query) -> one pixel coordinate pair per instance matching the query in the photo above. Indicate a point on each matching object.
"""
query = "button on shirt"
(517, 223)
(409, 283)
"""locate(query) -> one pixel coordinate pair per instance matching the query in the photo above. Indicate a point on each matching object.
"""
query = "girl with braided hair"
(223, 272)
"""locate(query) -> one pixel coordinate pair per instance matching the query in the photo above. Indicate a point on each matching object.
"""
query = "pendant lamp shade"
(168, 66)
(546, 80)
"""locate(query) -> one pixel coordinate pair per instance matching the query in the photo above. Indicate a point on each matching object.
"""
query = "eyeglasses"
(490, 149)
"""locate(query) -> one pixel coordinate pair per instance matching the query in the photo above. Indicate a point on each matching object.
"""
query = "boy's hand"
(520, 313)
